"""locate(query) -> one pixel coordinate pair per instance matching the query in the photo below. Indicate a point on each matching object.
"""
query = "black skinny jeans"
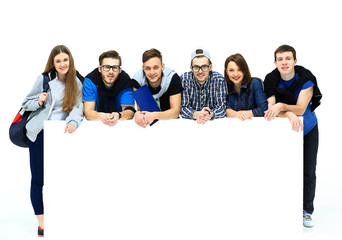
(37, 172)
(310, 162)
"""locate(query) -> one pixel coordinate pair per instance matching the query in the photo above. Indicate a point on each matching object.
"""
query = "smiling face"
(234, 73)
(110, 76)
(201, 76)
(61, 63)
(153, 69)
(285, 64)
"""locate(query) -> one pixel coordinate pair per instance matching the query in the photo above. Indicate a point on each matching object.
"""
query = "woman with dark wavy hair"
(246, 97)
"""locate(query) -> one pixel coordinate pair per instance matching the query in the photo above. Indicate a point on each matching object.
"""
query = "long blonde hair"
(71, 91)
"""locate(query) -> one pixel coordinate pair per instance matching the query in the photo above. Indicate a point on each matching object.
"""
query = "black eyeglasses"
(106, 68)
(204, 68)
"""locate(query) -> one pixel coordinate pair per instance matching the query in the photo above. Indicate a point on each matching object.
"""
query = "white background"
(30, 29)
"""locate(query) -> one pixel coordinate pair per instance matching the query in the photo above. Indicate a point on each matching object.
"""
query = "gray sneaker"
(307, 220)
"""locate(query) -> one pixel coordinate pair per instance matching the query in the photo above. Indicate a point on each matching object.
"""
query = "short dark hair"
(242, 64)
(110, 54)
(151, 53)
(285, 48)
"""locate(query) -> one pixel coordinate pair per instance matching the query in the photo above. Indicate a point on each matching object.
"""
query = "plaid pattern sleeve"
(212, 94)
(218, 95)
(187, 110)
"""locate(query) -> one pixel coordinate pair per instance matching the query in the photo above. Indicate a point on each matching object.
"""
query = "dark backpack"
(17, 130)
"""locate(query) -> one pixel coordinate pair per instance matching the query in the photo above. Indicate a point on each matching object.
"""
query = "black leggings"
(37, 172)
(310, 161)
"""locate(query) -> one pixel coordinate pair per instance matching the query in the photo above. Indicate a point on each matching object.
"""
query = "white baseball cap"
(200, 52)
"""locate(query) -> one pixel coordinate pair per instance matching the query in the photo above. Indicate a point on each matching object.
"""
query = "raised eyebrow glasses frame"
(107, 68)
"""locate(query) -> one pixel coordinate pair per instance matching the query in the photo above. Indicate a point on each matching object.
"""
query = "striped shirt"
(212, 94)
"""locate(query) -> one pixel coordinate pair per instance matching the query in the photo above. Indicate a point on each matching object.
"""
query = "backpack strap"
(261, 81)
(80, 77)
(249, 88)
(46, 80)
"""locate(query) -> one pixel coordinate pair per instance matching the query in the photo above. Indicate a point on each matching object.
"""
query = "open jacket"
(41, 113)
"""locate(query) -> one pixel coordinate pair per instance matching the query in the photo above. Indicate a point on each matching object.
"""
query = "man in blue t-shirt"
(292, 91)
(107, 91)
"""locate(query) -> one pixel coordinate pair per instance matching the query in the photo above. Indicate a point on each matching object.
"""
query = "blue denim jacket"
(257, 101)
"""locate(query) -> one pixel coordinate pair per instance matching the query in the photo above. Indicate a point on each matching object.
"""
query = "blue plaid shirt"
(212, 94)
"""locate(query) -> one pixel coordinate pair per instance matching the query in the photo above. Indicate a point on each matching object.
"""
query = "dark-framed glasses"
(204, 68)
(106, 68)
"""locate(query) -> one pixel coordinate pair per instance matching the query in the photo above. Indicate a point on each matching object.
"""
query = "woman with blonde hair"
(63, 101)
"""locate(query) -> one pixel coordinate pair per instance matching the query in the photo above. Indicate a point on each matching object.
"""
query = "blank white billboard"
(175, 180)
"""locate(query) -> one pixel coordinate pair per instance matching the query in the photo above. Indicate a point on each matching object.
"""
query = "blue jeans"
(37, 172)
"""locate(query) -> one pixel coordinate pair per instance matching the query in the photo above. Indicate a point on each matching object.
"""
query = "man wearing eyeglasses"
(107, 91)
(205, 91)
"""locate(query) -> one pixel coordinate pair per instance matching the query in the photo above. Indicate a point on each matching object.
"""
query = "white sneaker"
(307, 220)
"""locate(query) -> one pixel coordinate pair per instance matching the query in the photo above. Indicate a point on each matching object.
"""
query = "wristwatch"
(119, 115)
